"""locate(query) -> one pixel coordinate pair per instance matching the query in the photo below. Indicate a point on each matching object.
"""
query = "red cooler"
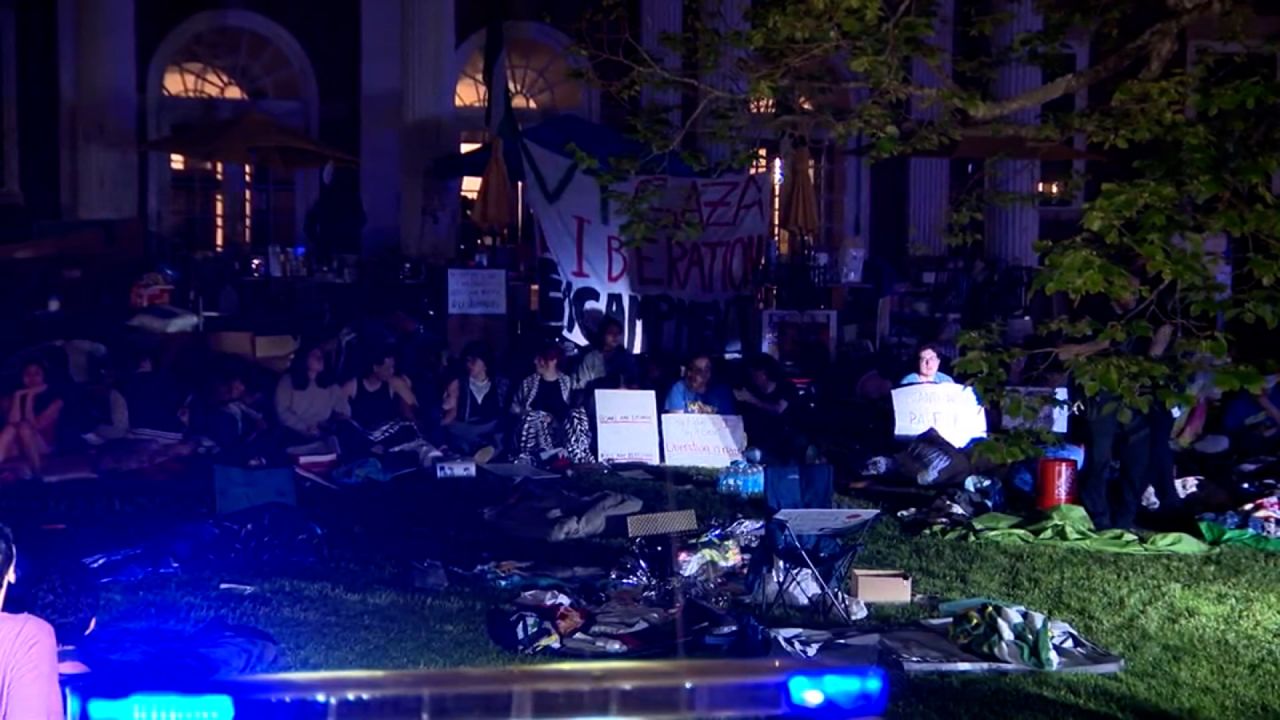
(1056, 484)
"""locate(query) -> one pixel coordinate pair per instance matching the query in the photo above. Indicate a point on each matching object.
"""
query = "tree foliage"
(1189, 156)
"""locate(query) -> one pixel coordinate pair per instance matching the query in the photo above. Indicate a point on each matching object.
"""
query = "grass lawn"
(1201, 635)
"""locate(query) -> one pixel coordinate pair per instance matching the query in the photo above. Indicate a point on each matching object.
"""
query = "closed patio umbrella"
(495, 208)
(799, 211)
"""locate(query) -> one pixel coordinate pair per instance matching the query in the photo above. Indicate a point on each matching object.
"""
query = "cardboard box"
(880, 586)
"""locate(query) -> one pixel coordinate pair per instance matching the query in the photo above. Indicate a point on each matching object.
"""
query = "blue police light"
(860, 691)
(162, 707)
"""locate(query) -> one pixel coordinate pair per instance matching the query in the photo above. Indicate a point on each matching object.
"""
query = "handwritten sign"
(1053, 413)
(702, 440)
(951, 409)
(627, 426)
(477, 292)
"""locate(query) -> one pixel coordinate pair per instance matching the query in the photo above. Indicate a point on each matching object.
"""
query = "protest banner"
(951, 409)
(693, 440)
(627, 426)
(664, 290)
(477, 292)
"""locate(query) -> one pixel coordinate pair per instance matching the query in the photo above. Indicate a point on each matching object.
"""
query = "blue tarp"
(557, 134)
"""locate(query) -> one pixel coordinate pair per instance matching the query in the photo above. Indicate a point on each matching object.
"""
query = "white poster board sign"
(950, 408)
(693, 440)
(1053, 415)
(477, 292)
(627, 426)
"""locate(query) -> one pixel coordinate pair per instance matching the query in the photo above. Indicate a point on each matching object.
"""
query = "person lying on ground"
(307, 400)
(473, 407)
(928, 360)
(697, 393)
(547, 417)
(32, 419)
(28, 654)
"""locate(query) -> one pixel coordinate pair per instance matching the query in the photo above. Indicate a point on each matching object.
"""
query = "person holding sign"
(928, 360)
(548, 420)
(696, 393)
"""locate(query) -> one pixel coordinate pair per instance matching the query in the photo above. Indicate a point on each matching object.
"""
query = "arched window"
(539, 78)
(222, 58)
(197, 80)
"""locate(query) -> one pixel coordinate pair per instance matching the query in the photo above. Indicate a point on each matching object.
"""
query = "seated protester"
(307, 400)
(67, 598)
(28, 654)
(928, 360)
(768, 408)
(228, 419)
(32, 419)
(154, 400)
(548, 421)
(105, 412)
(696, 393)
(382, 406)
(474, 407)
(608, 365)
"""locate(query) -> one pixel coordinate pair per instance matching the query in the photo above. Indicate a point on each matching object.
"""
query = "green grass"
(1201, 635)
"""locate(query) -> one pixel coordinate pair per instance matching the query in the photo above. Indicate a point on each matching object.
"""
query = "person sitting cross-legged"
(474, 405)
(548, 419)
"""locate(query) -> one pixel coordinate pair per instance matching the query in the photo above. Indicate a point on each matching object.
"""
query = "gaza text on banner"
(691, 289)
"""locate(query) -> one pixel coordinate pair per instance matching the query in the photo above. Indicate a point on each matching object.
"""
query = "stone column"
(1013, 220)
(428, 208)
(107, 111)
(380, 122)
(725, 16)
(929, 179)
(657, 19)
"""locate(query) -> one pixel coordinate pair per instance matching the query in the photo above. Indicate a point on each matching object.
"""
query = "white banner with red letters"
(694, 290)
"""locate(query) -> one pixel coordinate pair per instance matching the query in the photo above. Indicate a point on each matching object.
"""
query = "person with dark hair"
(473, 407)
(609, 365)
(380, 397)
(28, 654)
(928, 360)
(227, 418)
(768, 405)
(32, 419)
(67, 598)
(697, 393)
(307, 400)
(152, 396)
(547, 418)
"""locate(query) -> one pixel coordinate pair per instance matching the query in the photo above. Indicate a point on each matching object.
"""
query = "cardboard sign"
(1053, 415)
(702, 440)
(627, 426)
(477, 292)
(951, 409)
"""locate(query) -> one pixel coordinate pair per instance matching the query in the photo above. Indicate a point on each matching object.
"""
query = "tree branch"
(1155, 42)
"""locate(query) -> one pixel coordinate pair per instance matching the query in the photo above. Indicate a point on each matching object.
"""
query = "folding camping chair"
(802, 499)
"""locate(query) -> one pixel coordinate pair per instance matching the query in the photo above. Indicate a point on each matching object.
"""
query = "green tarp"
(1219, 535)
(1070, 526)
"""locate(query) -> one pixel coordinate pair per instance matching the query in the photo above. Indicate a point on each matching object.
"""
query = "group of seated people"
(363, 402)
